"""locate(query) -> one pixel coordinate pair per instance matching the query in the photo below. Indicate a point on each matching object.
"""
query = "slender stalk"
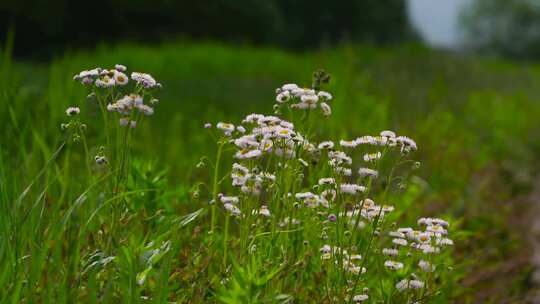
(215, 187)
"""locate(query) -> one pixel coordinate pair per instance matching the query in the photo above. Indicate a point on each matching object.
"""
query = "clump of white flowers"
(122, 99)
(286, 187)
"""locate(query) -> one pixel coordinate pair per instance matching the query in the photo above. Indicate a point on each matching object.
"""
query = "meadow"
(475, 122)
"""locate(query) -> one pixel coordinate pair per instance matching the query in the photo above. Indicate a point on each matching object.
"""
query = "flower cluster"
(303, 98)
(316, 190)
(108, 78)
(126, 105)
(422, 244)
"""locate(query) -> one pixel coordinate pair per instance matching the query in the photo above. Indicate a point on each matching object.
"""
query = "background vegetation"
(475, 121)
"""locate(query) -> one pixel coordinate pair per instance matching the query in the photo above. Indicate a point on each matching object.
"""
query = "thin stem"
(215, 187)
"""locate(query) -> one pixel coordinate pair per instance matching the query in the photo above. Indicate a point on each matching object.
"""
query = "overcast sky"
(437, 20)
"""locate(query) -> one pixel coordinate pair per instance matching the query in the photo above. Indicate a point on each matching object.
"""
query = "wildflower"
(399, 241)
(72, 111)
(371, 157)
(241, 129)
(405, 230)
(366, 140)
(437, 229)
(406, 144)
(123, 121)
(332, 217)
(416, 284)
(327, 181)
(348, 143)
(389, 134)
(226, 127)
(325, 95)
(309, 98)
(207, 125)
(426, 266)
(326, 145)
(366, 172)
(248, 154)
(402, 285)
(120, 67)
(356, 269)
(326, 109)
(232, 209)
(360, 298)
(120, 78)
(283, 97)
(338, 158)
(390, 251)
(100, 160)
(289, 87)
(146, 110)
(146, 80)
(264, 211)
(228, 199)
(444, 242)
(105, 82)
(396, 234)
(325, 249)
(393, 265)
(352, 188)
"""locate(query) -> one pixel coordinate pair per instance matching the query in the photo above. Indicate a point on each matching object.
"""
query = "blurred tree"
(505, 27)
(49, 26)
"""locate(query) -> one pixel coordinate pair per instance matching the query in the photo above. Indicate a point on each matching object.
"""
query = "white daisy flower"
(324, 95)
(229, 199)
(416, 284)
(393, 265)
(248, 154)
(123, 121)
(370, 140)
(351, 188)
(105, 82)
(289, 87)
(232, 209)
(327, 181)
(348, 143)
(326, 109)
(405, 230)
(120, 78)
(401, 242)
(120, 67)
(72, 111)
(309, 98)
(227, 127)
(426, 266)
(283, 97)
(326, 145)
(390, 251)
(371, 157)
(241, 129)
(396, 234)
(402, 285)
(388, 134)
(264, 211)
(360, 298)
(365, 172)
(145, 109)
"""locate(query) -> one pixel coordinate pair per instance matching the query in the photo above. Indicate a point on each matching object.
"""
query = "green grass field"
(475, 122)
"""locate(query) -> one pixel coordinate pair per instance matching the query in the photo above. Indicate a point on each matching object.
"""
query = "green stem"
(215, 188)
(225, 241)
